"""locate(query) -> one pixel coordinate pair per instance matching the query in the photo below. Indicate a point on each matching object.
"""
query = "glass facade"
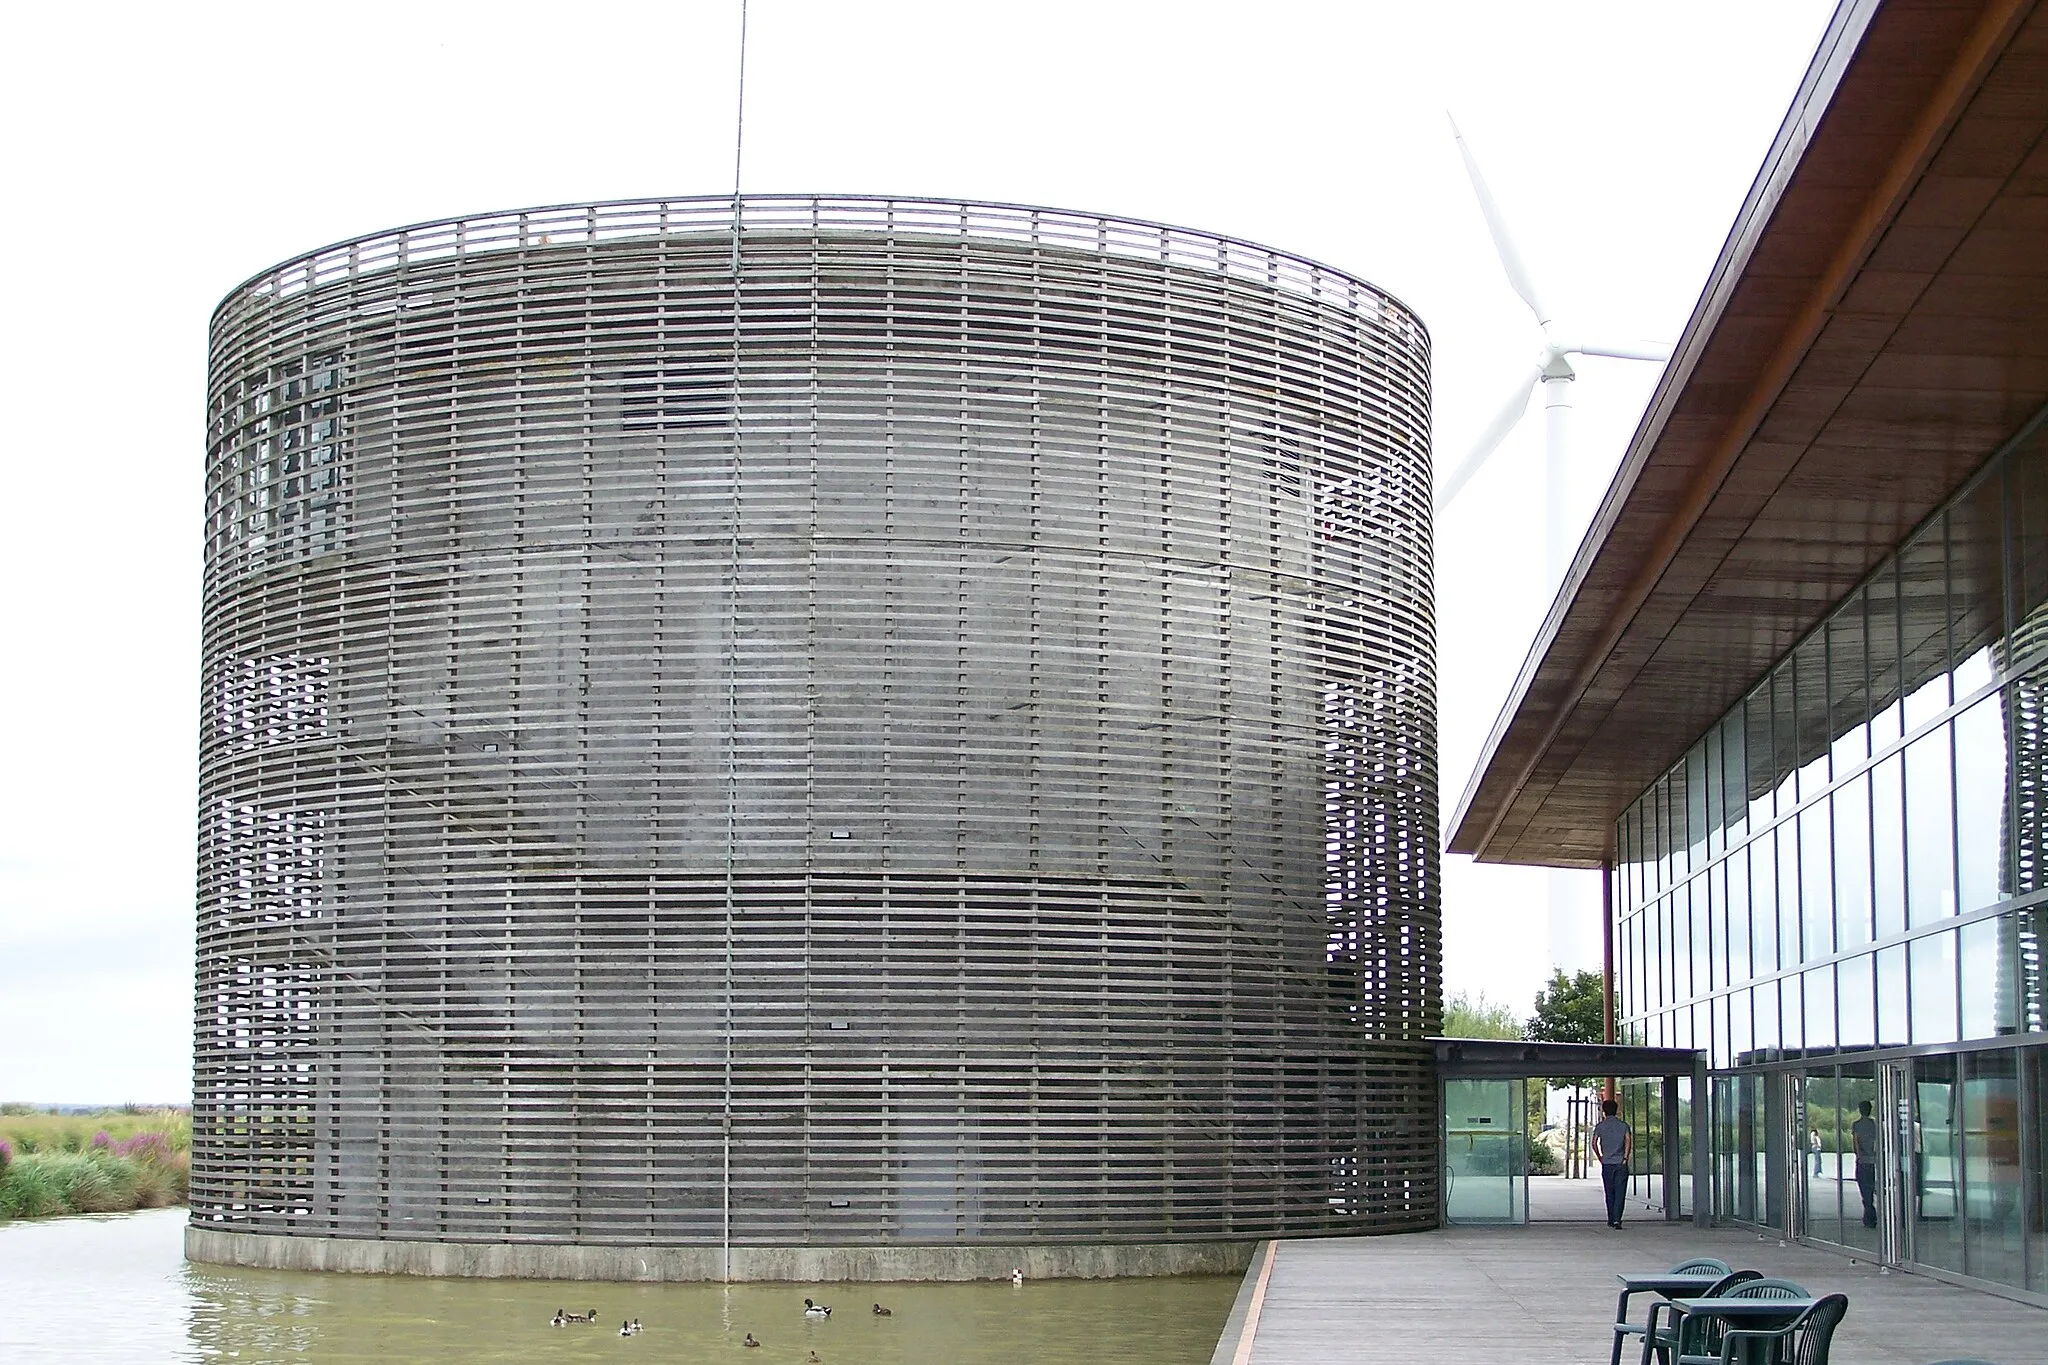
(1841, 892)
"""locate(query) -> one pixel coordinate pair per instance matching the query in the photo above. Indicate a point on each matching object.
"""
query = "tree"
(1465, 1017)
(1571, 1009)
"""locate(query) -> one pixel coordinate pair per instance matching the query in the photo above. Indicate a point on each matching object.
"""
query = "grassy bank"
(105, 1162)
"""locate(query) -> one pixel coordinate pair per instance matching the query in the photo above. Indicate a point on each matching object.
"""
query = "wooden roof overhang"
(1876, 326)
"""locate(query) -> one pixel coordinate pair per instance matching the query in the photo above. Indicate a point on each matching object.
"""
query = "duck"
(813, 1359)
(560, 1317)
(625, 1329)
(636, 1326)
(1017, 1276)
(750, 1340)
(881, 1312)
(816, 1310)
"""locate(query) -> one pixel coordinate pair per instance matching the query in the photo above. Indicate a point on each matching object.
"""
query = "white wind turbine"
(1567, 917)
(1553, 370)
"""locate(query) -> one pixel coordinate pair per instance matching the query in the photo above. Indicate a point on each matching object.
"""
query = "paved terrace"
(1545, 1293)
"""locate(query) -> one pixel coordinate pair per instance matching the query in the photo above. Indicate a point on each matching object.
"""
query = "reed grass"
(107, 1162)
(40, 1130)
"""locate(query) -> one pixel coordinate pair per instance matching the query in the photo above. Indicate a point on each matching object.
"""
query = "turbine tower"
(1553, 370)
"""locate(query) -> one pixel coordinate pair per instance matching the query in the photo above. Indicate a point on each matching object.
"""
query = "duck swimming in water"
(880, 1311)
(1017, 1276)
(813, 1359)
(816, 1310)
(750, 1340)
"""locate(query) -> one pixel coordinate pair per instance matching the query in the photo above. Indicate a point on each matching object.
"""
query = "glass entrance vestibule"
(1929, 1160)
(1483, 1090)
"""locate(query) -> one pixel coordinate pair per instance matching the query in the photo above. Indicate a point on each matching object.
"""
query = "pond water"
(117, 1288)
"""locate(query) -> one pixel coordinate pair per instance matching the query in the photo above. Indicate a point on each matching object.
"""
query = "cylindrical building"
(809, 738)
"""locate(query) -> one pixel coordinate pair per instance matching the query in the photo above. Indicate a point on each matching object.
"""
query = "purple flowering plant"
(150, 1147)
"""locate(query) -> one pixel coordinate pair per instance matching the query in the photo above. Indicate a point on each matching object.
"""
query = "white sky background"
(153, 158)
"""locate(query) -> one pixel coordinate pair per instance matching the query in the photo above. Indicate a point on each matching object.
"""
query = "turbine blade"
(1647, 350)
(1510, 259)
(1489, 440)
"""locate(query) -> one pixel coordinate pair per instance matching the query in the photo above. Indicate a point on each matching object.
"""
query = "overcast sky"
(154, 157)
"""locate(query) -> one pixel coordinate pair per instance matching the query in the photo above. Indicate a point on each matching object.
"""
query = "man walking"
(1863, 1132)
(1613, 1143)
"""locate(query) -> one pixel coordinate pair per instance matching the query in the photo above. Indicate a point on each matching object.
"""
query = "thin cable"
(732, 679)
(739, 141)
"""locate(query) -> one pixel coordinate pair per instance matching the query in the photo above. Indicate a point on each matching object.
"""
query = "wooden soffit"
(1876, 326)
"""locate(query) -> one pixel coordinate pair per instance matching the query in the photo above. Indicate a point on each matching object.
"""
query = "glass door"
(1486, 1152)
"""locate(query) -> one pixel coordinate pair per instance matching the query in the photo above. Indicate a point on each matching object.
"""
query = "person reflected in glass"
(1613, 1143)
(1813, 1145)
(1863, 1132)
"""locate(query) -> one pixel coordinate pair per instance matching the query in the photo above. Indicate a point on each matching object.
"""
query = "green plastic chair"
(1661, 1340)
(1700, 1338)
(1809, 1336)
(1701, 1266)
(1698, 1265)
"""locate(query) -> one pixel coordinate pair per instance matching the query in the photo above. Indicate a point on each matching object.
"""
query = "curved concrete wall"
(927, 743)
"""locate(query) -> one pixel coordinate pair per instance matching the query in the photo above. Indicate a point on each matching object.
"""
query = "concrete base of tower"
(865, 1264)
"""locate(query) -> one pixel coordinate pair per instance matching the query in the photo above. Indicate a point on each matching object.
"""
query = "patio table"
(1661, 1282)
(1743, 1312)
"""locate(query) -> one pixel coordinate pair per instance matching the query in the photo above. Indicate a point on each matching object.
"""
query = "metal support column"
(1671, 1173)
(1702, 1147)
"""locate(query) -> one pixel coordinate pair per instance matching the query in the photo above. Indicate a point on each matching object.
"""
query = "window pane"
(2027, 699)
(1734, 777)
(1976, 570)
(1882, 622)
(1810, 676)
(1816, 883)
(2030, 953)
(1716, 882)
(1982, 1001)
(2026, 494)
(2035, 1157)
(1934, 1202)
(1763, 904)
(1852, 863)
(1888, 846)
(1980, 803)
(1820, 1006)
(1848, 699)
(1771, 1028)
(1738, 915)
(1855, 1008)
(1677, 941)
(1923, 633)
(1861, 1145)
(1710, 766)
(1892, 1028)
(1992, 1175)
(1930, 829)
(1758, 756)
(1740, 1037)
(1784, 739)
(1932, 962)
